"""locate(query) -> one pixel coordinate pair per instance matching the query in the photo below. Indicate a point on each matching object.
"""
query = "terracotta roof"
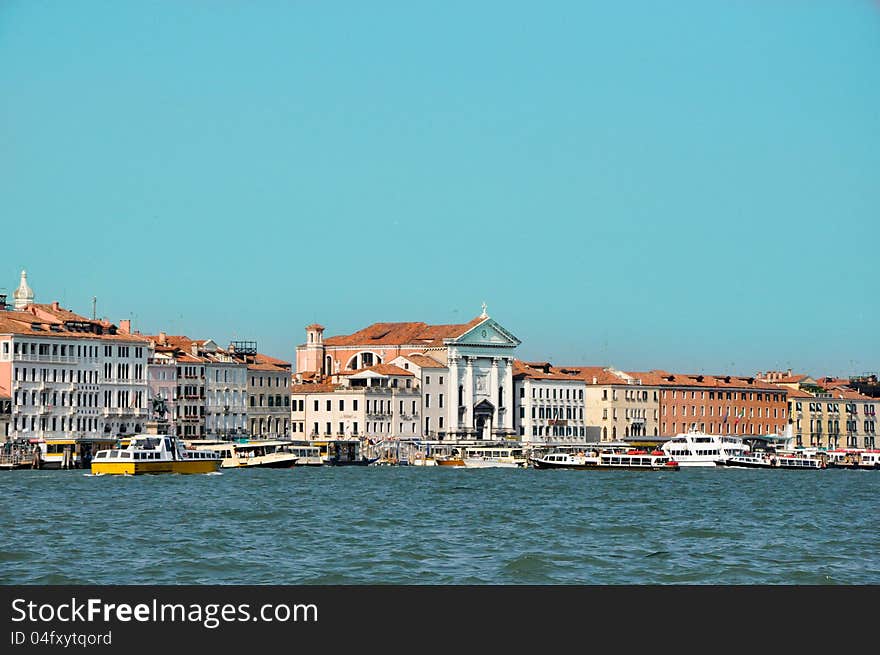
(266, 366)
(846, 393)
(381, 369)
(266, 359)
(665, 378)
(424, 361)
(798, 393)
(829, 382)
(546, 371)
(317, 387)
(24, 322)
(401, 334)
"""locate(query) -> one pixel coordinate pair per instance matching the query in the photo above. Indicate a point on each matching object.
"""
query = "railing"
(57, 359)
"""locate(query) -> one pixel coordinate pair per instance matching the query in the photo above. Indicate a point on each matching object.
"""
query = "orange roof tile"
(424, 361)
(314, 387)
(381, 369)
(402, 334)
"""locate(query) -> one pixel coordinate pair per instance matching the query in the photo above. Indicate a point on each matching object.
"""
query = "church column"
(469, 393)
(493, 394)
(452, 422)
(509, 399)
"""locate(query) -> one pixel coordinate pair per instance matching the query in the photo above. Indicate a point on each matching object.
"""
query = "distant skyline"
(689, 186)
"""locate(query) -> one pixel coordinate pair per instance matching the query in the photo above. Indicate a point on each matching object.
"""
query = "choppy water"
(380, 525)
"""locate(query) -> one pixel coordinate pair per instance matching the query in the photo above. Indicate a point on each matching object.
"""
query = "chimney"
(124, 326)
(789, 372)
(595, 379)
(194, 348)
(163, 338)
(55, 305)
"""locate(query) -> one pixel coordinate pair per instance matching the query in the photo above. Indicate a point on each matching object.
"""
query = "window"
(354, 404)
(427, 400)
(440, 400)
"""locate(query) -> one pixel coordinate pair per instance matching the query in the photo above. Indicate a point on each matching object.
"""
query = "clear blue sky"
(690, 185)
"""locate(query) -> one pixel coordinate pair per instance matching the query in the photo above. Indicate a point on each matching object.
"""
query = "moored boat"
(494, 457)
(764, 460)
(252, 454)
(853, 459)
(695, 448)
(631, 460)
(147, 454)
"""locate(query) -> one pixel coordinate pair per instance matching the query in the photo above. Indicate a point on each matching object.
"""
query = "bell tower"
(24, 295)
(313, 358)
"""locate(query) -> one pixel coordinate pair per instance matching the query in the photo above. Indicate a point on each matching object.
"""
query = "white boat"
(695, 448)
(482, 457)
(770, 460)
(306, 455)
(853, 458)
(252, 454)
(632, 459)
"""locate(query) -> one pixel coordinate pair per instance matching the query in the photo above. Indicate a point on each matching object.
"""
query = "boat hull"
(151, 468)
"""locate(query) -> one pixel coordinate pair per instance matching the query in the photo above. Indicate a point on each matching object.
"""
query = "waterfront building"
(5, 413)
(623, 404)
(550, 405)
(718, 404)
(478, 356)
(826, 412)
(71, 377)
(187, 406)
(226, 392)
(378, 402)
(268, 391)
(430, 376)
(162, 380)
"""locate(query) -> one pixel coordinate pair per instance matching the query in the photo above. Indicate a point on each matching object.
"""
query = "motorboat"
(148, 453)
(695, 448)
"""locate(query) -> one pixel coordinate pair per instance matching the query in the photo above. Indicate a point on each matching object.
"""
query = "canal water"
(406, 525)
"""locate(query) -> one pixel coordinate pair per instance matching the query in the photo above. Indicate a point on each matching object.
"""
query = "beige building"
(622, 404)
(826, 413)
(378, 402)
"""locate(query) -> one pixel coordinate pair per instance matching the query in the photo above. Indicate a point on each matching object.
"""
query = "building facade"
(377, 403)
(727, 405)
(827, 413)
(72, 377)
(550, 405)
(478, 358)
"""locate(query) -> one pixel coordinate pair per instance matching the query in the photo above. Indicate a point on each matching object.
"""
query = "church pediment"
(486, 333)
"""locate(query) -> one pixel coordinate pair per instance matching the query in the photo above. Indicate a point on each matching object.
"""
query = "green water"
(384, 525)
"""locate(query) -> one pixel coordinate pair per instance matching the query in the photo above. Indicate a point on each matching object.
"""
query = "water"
(386, 525)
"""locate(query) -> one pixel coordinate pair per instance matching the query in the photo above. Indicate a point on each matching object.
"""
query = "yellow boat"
(154, 454)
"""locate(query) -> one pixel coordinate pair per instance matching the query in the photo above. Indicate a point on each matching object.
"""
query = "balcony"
(55, 359)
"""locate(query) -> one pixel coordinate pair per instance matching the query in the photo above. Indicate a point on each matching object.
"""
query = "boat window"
(114, 454)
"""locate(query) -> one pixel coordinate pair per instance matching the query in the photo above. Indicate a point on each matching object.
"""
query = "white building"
(379, 402)
(478, 377)
(71, 377)
(550, 406)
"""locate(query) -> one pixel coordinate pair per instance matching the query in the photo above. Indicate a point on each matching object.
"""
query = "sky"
(691, 186)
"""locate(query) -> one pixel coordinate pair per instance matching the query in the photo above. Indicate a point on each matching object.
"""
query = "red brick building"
(717, 404)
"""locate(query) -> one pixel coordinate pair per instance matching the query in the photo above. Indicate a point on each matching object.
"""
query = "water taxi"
(765, 460)
(154, 454)
(695, 448)
(252, 454)
(630, 460)
(853, 458)
(306, 455)
(494, 457)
